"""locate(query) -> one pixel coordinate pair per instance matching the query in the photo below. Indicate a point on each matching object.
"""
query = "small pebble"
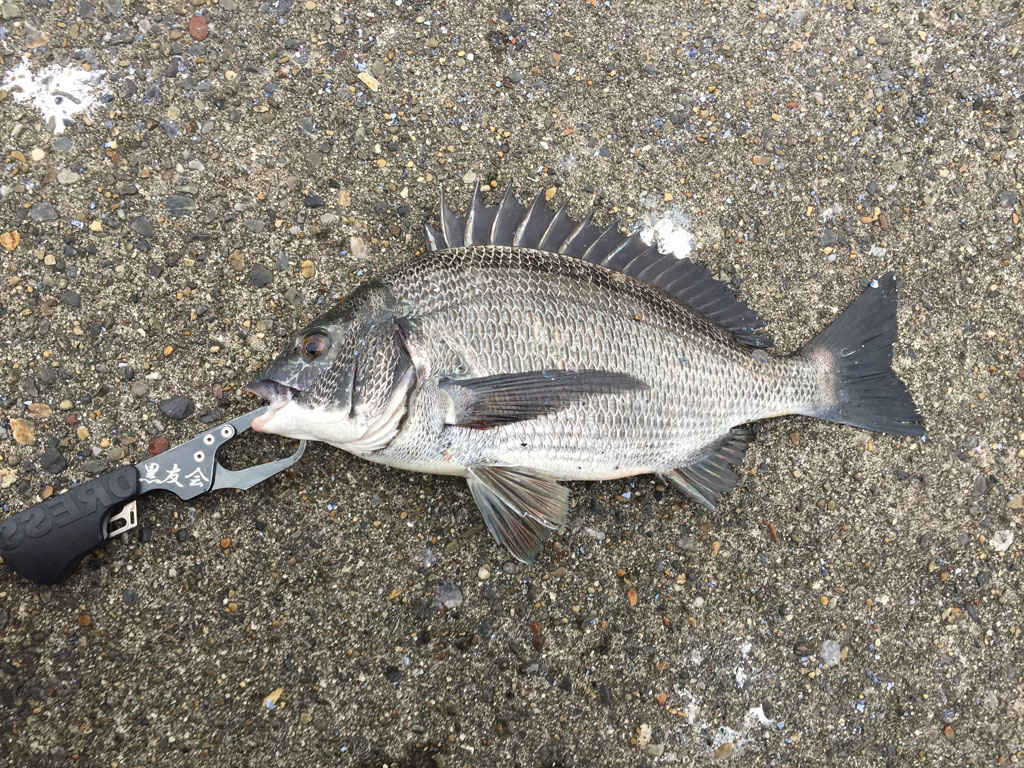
(369, 81)
(484, 573)
(66, 177)
(158, 445)
(40, 212)
(260, 276)
(23, 431)
(142, 226)
(178, 407)
(198, 28)
(53, 461)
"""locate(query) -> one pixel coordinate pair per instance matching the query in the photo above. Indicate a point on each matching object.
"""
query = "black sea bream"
(524, 348)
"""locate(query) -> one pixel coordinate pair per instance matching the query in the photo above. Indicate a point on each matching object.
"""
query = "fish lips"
(276, 394)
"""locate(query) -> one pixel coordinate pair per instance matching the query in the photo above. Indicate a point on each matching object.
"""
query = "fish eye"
(314, 345)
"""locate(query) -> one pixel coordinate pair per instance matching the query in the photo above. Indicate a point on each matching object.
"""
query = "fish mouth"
(276, 394)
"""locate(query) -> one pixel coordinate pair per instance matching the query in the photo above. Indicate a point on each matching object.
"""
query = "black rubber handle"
(45, 543)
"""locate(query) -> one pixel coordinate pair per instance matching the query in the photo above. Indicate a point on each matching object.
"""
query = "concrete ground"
(215, 182)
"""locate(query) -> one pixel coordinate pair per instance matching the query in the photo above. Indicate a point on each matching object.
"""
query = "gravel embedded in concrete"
(236, 167)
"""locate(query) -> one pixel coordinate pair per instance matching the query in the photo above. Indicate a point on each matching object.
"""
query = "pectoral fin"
(520, 506)
(490, 401)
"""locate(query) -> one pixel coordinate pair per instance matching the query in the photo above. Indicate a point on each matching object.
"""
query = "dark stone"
(182, 534)
(530, 667)
(130, 596)
(211, 416)
(312, 200)
(178, 407)
(180, 205)
(53, 461)
(983, 578)
(94, 466)
(69, 297)
(42, 212)
(806, 647)
(260, 276)
(980, 486)
(142, 226)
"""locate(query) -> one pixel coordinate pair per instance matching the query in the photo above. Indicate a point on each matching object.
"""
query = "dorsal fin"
(538, 227)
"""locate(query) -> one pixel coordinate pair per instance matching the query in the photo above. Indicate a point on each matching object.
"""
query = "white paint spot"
(741, 676)
(756, 716)
(56, 92)
(1002, 540)
(832, 212)
(671, 232)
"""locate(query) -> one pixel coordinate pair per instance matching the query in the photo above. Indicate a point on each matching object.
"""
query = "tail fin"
(859, 345)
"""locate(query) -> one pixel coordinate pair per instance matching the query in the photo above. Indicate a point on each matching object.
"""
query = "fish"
(523, 348)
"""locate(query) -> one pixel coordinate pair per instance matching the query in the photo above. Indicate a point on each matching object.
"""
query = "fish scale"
(576, 315)
(525, 348)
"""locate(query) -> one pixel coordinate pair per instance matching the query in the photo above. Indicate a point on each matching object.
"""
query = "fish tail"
(863, 389)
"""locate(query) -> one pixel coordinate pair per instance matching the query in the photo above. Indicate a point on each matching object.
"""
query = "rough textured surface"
(858, 601)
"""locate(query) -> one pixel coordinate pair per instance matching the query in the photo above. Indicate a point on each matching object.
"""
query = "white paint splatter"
(756, 715)
(741, 676)
(55, 91)
(739, 738)
(671, 232)
(834, 211)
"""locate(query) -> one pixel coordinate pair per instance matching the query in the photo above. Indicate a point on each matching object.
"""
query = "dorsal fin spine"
(512, 224)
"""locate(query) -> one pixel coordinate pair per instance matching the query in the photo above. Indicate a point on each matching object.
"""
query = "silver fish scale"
(486, 310)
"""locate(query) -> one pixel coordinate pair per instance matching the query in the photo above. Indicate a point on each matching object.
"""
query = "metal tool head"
(191, 469)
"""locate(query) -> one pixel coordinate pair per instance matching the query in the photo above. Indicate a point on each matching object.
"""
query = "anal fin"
(520, 506)
(710, 476)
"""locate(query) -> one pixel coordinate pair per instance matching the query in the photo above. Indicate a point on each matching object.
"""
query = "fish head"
(343, 379)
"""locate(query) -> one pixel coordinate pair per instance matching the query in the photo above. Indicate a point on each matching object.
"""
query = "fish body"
(525, 348)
